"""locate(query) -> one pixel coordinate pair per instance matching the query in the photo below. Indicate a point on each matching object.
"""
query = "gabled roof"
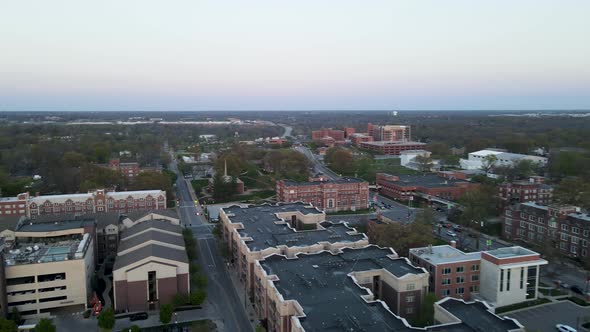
(154, 251)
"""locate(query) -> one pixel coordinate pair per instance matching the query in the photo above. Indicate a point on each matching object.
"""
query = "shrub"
(196, 298)
(106, 319)
(166, 311)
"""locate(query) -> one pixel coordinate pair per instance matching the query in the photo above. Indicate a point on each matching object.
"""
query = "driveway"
(544, 318)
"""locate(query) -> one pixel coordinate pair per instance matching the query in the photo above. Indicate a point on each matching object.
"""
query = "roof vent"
(315, 266)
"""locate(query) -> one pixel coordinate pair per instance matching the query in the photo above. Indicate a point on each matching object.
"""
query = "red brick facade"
(392, 186)
(331, 196)
(391, 147)
(525, 191)
(97, 201)
(337, 135)
(561, 227)
(133, 296)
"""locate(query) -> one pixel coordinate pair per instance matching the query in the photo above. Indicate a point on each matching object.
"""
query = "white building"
(408, 158)
(509, 275)
(476, 160)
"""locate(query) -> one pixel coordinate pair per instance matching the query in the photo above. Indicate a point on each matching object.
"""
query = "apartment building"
(405, 187)
(391, 147)
(389, 132)
(97, 201)
(362, 289)
(500, 277)
(346, 194)
(47, 267)
(151, 266)
(129, 169)
(255, 232)
(357, 138)
(525, 191)
(566, 228)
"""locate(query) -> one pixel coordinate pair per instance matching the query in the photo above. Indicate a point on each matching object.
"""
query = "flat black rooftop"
(425, 180)
(35, 226)
(329, 297)
(477, 317)
(332, 301)
(312, 183)
(267, 230)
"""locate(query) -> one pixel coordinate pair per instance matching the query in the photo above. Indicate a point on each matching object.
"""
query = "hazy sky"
(294, 54)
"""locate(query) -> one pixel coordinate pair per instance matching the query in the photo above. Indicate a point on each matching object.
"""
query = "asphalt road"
(220, 289)
(317, 165)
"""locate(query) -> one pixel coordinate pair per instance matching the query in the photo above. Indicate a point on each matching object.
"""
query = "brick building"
(346, 194)
(391, 147)
(389, 132)
(129, 170)
(97, 201)
(403, 187)
(337, 135)
(358, 138)
(525, 191)
(562, 227)
(500, 277)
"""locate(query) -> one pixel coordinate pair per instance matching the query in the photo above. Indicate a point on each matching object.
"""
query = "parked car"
(577, 289)
(450, 233)
(457, 228)
(565, 328)
(448, 225)
(138, 316)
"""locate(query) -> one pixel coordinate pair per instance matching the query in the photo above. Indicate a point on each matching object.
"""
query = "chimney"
(454, 244)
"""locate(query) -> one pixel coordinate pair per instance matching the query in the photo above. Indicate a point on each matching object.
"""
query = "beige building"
(255, 232)
(47, 267)
(151, 266)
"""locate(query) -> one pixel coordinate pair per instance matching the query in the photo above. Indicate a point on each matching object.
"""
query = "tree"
(403, 236)
(15, 316)
(179, 300)
(424, 162)
(451, 161)
(166, 311)
(106, 319)
(489, 162)
(574, 191)
(196, 298)
(478, 205)
(426, 314)
(45, 325)
(7, 325)
(340, 160)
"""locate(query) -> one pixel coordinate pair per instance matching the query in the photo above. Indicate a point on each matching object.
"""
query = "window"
(508, 212)
(460, 269)
(584, 243)
(575, 230)
(410, 298)
(460, 290)
(501, 280)
(508, 280)
(409, 310)
(460, 280)
(564, 227)
(410, 287)
(574, 240)
(583, 252)
(563, 237)
(475, 267)
(540, 230)
(532, 218)
(522, 215)
(521, 277)
(446, 281)
(585, 232)
(531, 227)
(446, 270)
(446, 292)
(562, 245)
(574, 249)
(474, 289)
(522, 224)
(475, 277)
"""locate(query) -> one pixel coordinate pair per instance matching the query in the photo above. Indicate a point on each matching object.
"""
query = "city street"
(318, 166)
(221, 292)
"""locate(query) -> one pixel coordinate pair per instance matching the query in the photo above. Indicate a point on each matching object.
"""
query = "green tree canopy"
(106, 319)
(166, 311)
(45, 325)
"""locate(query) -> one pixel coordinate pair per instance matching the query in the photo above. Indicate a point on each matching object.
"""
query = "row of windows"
(460, 269)
(459, 280)
(460, 290)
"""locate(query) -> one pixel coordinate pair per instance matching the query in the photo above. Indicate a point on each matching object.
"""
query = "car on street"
(451, 233)
(565, 328)
(577, 289)
(457, 228)
(138, 316)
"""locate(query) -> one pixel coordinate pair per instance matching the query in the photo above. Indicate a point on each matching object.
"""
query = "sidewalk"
(239, 286)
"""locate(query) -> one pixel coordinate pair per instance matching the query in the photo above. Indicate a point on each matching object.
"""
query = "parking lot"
(544, 318)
